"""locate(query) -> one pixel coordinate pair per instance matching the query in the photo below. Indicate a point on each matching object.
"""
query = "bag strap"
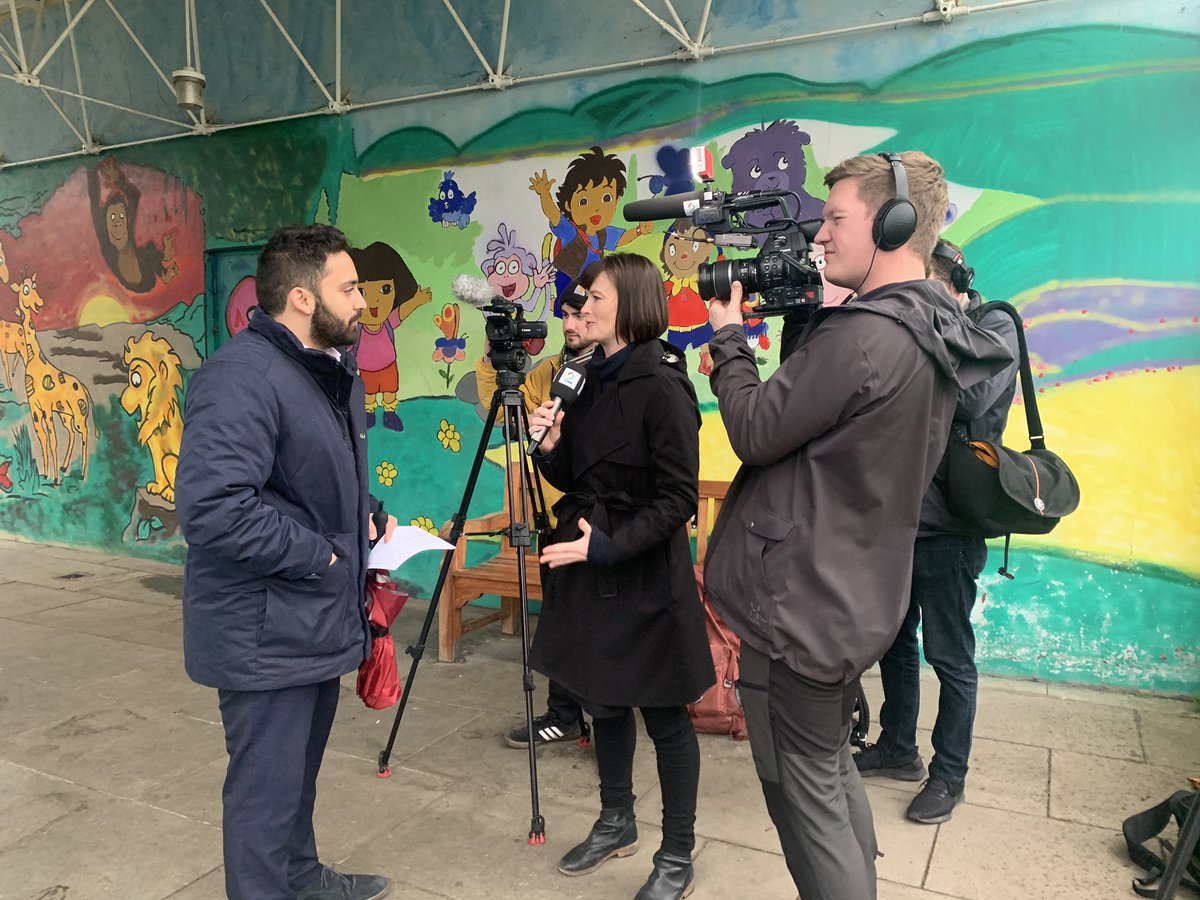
(1033, 420)
(1139, 828)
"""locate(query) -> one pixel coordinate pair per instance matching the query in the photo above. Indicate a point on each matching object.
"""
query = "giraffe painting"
(12, 334)
(51, 392)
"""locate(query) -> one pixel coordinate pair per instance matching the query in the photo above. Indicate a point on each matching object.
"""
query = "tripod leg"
(519, 496)
(416, 651)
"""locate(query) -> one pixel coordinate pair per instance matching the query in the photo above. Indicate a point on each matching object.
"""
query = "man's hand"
(388, 530)
(728, 311)
(540, 418)
(571, 552)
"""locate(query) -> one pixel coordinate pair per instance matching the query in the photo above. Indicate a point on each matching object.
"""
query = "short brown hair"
(641, 297)
(926, 190)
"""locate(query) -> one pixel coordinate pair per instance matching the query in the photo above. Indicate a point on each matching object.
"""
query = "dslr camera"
(784, 274)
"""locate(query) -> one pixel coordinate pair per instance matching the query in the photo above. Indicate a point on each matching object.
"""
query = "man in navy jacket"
(271, 491)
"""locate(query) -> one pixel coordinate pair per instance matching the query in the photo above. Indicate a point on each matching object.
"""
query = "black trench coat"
(631, 632)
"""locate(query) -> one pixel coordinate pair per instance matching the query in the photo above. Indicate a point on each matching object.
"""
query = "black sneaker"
(936, 801)
(549, 730)
(871, 761)
(331, 885)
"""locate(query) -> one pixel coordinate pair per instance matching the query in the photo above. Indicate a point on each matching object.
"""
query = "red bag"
(719, 711)
(378, 678)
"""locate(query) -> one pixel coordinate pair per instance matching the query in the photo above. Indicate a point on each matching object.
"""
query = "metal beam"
(300, 56)
(470, 40)
(12, 5)
(503, 38)
(684, 40)
(146, 53)
(62, 37)
(674, 15)
(87, 126)
(81, 96)
(337, 50)
(703, 21)
(83, 142)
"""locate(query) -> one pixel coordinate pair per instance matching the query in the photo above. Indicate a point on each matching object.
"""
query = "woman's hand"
(541, 418)
(565, 554)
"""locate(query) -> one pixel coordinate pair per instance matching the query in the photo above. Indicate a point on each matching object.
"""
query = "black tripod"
(529, 488)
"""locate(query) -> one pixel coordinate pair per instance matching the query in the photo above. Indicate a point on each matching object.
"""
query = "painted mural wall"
(1073, 188)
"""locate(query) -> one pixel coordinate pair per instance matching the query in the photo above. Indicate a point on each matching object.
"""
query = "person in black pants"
(272, 496)
(621, 625)
(947, 560)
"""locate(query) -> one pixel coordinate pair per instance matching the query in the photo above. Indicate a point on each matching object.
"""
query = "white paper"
(407, 540)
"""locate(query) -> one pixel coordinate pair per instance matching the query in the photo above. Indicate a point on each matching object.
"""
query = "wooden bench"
(499, 575)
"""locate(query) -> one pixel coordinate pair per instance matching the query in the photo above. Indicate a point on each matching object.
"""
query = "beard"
(330, 331)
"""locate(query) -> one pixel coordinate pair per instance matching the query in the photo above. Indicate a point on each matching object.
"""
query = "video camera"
(507, 330)
(784, 272)
(504, 323)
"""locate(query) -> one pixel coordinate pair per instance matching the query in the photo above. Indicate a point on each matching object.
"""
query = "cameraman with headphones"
(947, 560)
(812, 553)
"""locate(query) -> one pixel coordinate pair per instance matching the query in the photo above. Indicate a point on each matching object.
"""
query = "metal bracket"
(28, 80)
(340, 107)
(91, 147)
(944, 12)
(500, 81)
(203, 128)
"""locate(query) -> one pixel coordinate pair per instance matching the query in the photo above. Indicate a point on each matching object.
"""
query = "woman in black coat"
(621, 624)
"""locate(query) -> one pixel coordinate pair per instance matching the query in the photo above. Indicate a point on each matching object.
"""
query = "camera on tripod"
(784, 274)
(507, 329)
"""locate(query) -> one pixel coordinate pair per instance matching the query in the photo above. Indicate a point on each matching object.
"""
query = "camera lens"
(716, 279)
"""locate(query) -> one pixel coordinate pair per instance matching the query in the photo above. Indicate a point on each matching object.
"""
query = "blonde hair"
(926, 191)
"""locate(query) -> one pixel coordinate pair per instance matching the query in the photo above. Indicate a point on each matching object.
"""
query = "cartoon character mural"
(12, 332)
(581, 213)
(685, 247)
(450, 347)
(515, 274)
(52, 394)
(153, 396)
(771, 158)
(114, 217)
(676, 177)
(451, 206)
(392, 295)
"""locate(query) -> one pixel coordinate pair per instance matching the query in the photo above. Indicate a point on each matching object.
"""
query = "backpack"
(1141, 827)
(719, 709)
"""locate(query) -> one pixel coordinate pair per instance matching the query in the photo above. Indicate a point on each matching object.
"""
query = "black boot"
(672, 879)
(614, 834)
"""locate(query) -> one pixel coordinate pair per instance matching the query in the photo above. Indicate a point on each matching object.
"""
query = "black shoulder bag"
(1000, 491)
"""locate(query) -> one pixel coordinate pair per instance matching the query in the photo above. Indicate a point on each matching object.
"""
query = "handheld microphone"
(473, 291)
(564, 390)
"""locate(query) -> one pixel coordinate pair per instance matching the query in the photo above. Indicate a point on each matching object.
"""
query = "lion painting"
(153, 392)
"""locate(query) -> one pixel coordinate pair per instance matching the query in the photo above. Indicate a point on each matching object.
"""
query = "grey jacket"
(981, 414)
(811, 557)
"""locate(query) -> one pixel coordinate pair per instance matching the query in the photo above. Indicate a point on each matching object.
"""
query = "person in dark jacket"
(621, 625)
(812, 552)
(272, 497)
(947, 559)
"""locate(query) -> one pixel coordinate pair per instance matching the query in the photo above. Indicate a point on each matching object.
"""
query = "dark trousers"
(275, 741)
(564, 707)
(677, 753)
(945, 569)
(799, 736)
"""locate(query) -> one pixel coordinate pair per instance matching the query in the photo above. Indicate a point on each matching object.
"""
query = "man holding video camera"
(811, 556)
(563, 719)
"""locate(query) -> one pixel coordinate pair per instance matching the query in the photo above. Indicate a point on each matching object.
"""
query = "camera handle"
(508, 398)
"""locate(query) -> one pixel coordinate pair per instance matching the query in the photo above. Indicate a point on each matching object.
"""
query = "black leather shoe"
(614, 834)
(672, 879)
(331, 885)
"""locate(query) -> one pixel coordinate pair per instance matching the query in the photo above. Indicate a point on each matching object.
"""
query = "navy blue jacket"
(272, 480)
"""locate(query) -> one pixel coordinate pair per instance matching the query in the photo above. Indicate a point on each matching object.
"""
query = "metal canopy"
(84, 76)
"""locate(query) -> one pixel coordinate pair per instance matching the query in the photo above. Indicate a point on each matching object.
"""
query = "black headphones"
(961, 275)
(897, 219)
